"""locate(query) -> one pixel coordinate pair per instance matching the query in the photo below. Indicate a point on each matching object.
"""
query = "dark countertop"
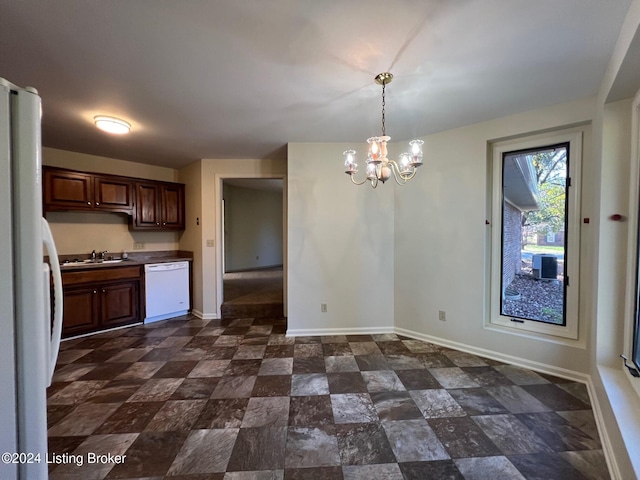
(133, 260)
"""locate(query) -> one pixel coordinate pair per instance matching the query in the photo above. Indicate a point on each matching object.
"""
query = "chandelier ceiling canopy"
(379, 167)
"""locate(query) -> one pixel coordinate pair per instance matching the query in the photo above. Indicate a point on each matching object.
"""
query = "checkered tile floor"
(237, 400)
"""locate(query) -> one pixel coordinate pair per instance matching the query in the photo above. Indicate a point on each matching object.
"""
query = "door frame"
(219, 178)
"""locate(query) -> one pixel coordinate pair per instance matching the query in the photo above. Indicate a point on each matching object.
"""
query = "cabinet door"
(80, 310)
(112, 194)
(172, 201)
(119, 303)
(147, 206)
(67, 190)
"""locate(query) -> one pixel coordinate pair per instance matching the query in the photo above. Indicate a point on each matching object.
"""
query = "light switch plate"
(211, 243)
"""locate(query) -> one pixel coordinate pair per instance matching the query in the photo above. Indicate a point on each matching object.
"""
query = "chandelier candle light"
(379, 167)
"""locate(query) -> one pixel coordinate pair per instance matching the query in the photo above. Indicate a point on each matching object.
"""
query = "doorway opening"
(252, 217)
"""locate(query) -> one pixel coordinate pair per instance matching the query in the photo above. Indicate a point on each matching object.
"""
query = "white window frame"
(574, 137)
(633, 248)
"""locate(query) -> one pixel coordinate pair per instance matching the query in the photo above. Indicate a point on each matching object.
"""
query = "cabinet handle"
(164, 223)
(104, 291)
(88, 203)
(157, 223)
(95, 291)
(97, 203)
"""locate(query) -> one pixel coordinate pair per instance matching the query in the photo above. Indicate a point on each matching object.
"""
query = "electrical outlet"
(323, 307)
(211, 243)
(442, 315)
(138, 246)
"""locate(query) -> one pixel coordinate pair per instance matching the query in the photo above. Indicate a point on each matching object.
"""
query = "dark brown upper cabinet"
(159, 206)
(151, 205)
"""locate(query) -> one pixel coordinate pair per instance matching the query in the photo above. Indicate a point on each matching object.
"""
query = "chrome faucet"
(102, 254)
(93, 256)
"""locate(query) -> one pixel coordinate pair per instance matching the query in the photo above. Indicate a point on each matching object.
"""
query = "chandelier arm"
(374, 182)
(358, 183)
(395, 170)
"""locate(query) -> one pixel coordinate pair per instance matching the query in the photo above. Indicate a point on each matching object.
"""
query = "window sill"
(569, 342)
(625, 403)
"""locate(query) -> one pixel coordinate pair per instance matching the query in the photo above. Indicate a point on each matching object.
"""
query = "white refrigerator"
(29, 341)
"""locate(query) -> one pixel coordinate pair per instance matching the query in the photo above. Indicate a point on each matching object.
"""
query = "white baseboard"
(607, 448)
(204, 316)
(313, 332)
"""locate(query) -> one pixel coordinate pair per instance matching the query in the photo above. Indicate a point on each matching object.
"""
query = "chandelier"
(379, 167)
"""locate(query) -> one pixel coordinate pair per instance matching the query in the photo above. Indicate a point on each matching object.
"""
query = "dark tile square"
(417, 379)
(116, 391)
(393, 406)
(222, 413)
(151, 454)
(441, 470)
(243, 367)
(308, 365)
(187, 332)
(195, 388)
(314, 473)
(55, 413)
(221, 353)
(203, 341)
(462, 437)
(160, 355)
(64, 444)
(372, 362)
(258, 449)
(393, 348)
(97, 355)
(363, 444)
(175, 369)
(336, 349)
(310, 411)
(130, 418)
(346, 382)
(235, 331)
(476, 401)
(359, 338)
(278, 351)
(272, 386)
(557, 432)
(308, 340)
(554, 397)
(487, 376)
(435, 360)
(545, 466)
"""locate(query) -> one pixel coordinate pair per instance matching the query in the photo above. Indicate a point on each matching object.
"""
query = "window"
(535, 234)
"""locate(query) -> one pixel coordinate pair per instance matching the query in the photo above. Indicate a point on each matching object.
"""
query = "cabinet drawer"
(99, 275)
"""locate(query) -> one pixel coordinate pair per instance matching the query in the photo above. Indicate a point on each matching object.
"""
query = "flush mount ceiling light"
(379, 167)
(112, 124)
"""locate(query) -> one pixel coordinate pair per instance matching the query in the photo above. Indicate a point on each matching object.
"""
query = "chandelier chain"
(384, 84)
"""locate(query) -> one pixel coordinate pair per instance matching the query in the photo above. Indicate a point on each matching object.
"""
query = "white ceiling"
(240, 79)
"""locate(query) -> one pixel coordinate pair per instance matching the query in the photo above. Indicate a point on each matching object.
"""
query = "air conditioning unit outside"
(545, 266)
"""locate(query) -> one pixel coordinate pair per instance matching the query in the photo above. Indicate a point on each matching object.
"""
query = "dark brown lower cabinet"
(101, 298)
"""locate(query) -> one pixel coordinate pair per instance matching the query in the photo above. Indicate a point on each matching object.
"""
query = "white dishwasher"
(166, 290)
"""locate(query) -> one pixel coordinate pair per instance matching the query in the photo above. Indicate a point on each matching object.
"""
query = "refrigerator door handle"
(47, 239)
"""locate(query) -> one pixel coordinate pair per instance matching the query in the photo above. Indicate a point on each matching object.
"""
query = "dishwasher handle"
(165, 267)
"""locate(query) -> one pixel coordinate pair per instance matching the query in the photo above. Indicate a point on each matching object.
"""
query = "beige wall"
(80, 233)
(192, 239)
(340, 245)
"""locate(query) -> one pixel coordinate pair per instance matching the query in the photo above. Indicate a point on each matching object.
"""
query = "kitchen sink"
(75, 263)
(78, 263)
